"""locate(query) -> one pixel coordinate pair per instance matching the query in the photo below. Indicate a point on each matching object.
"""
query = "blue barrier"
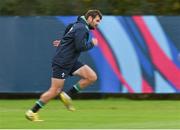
(137, 54)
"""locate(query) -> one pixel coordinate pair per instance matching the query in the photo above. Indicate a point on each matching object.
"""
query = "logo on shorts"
(63, 74)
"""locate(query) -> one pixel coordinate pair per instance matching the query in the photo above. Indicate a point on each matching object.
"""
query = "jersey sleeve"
(82, 40)
(68, 28)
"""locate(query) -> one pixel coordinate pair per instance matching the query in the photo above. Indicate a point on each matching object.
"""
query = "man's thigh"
(84, 71)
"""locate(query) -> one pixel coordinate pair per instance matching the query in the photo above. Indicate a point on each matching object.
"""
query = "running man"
(65, 62)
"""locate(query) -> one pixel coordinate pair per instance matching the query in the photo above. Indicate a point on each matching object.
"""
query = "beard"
(91, 27)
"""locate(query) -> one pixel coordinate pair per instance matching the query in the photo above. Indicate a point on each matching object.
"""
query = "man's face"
(94, 22)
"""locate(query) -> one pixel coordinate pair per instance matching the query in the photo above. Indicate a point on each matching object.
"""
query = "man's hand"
(95, 41)
(56, 43)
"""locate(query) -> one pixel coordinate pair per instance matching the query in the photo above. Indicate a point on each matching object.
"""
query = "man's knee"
(54, 92)
(92, 77)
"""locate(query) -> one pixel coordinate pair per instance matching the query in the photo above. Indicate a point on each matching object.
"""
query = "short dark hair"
(93, 13)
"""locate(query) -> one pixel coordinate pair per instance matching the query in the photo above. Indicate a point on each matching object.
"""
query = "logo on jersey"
(62, 75)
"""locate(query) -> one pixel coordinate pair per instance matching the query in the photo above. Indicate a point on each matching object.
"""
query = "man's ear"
(90, 18)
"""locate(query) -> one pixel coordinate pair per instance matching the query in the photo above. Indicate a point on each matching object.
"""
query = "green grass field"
(109, 113)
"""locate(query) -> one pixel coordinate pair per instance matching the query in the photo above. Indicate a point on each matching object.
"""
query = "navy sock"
(75, 89)
(39, 104)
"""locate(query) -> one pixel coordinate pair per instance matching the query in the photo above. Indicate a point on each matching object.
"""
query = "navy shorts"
(63, 72)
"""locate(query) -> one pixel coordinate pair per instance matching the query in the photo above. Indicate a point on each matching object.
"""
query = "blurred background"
(138, 57)
(108, 7)
(138, 50)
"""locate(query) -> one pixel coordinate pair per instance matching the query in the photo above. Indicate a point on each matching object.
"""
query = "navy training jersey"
(75, 40)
